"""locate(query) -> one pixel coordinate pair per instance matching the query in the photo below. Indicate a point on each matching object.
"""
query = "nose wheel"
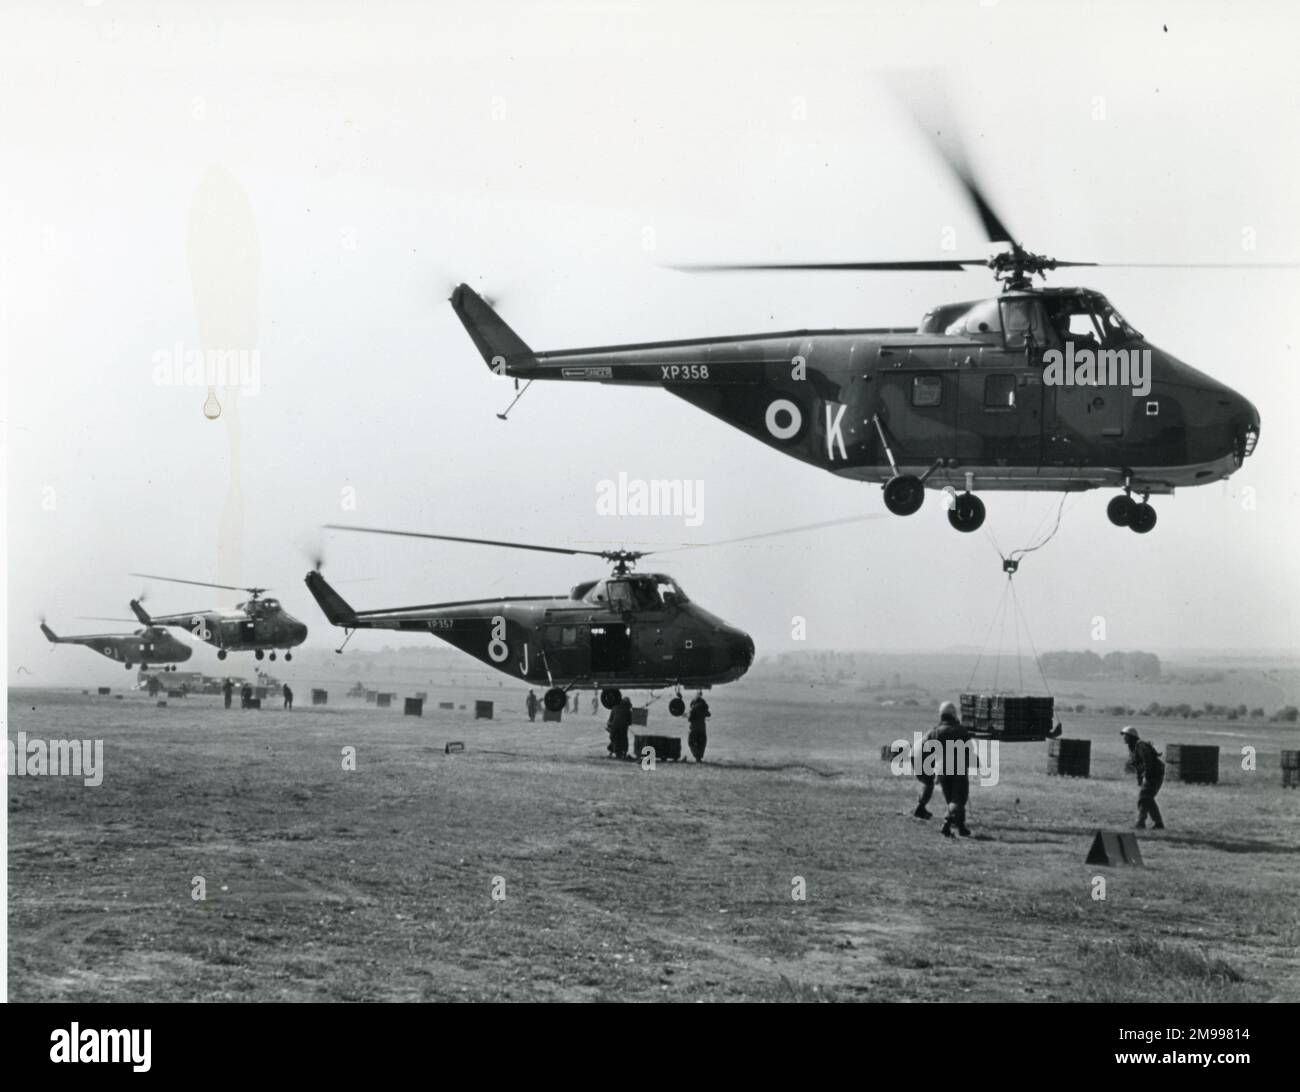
(1124, 511)
(610, 698)
(258, 653)
(677, 706)
(966, 513)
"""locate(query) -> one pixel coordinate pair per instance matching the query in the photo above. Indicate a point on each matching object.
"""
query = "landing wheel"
(288, 655)
(1143, 518)
(1120, 510)
(967, 513)
(610, 698)
(259, 653)
(128, 665)
(272, 654)
(221, 654)
(555, 699)
(904, 494)
(677, 706)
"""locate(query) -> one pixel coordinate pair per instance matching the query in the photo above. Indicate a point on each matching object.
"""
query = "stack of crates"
(1008, 716)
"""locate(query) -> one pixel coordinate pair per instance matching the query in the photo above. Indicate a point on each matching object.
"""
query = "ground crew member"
(288, 697)
(595, 704)
(1150, 770)
(698, 737)
(531, 704)
(925, 771)
(246, 695)
(620, 719)
(951, 745)
(227, 690)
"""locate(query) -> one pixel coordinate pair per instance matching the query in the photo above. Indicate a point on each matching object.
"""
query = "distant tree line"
(1114, 665)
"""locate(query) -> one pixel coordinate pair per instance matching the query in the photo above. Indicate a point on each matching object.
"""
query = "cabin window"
(927, 390)
(999, 391)
(569, 636)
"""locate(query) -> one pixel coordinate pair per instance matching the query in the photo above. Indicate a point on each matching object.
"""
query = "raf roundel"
(783, 419)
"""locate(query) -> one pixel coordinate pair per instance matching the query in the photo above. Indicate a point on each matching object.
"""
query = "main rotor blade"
(773, 534)
(953, 265)
(1189, 265)
(198, 583)
(922, 95)
(473, 541)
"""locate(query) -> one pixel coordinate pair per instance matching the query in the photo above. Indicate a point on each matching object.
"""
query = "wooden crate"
(1069, 757)
(668, 748)
(1192, 763)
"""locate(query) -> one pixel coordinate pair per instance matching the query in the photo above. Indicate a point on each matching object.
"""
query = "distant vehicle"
(152, 645)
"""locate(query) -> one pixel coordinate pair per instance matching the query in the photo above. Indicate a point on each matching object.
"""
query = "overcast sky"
(314, 180)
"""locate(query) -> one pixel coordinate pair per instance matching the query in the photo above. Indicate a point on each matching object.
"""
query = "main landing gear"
(610, 698)
(1124, 511)
(555, 699)
(221, 654)
(677, 706)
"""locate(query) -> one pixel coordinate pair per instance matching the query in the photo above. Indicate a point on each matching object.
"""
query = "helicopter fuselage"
(968, 400)
(629, 631)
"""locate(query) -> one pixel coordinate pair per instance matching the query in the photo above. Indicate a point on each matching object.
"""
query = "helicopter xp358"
(965, 401)
(151, 645)
(258, 625)
(633, 631)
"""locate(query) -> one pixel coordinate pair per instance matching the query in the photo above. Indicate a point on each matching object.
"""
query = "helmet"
(1129, 732)
(947, 709)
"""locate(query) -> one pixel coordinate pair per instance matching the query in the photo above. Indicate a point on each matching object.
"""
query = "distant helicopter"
(152, 645)
(628, 631)
(978, 396)
(257, 625)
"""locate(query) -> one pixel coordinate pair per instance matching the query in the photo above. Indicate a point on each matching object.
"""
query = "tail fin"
(499, 345)
(50, 635)
(139, 612)
(335, 607)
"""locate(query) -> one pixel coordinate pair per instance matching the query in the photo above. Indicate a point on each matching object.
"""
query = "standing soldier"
(620, 719)
(531, 705)
(1150, 770)
(698, 738)
(288, 697)
(227, 690)
(245, 695)
(951, 744)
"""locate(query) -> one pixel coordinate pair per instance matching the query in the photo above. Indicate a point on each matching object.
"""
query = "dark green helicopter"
(1038, 389)
(151, 645)
(627, 631)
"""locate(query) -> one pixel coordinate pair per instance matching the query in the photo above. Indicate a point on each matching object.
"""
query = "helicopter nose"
(299, 633)
(742, 651)
(1245, 428)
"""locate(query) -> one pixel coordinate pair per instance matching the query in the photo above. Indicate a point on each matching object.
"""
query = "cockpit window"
(1022, 319)
(1090, 323)
(620, 595)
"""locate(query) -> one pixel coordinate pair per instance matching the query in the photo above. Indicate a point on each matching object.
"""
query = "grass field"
(673, 883)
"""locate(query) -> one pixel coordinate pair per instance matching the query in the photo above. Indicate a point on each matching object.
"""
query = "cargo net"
(997, 713)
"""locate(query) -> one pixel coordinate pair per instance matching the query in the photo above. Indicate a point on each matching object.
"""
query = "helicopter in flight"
(152, 645)
(627, 631)
(1037, 389)
(258, 625)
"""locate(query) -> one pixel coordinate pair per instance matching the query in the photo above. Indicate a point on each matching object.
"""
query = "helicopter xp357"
(628, 631)
(258, 625)
(152, 645)
(965, 401)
